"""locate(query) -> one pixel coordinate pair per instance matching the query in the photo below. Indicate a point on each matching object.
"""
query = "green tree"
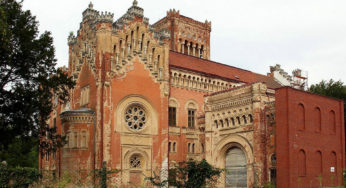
(335, 89)
(28, 80)
(190, 174)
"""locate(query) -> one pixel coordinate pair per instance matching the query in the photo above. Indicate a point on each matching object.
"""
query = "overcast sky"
(249, 34)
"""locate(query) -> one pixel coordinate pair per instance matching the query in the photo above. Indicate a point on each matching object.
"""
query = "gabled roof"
(216, 69)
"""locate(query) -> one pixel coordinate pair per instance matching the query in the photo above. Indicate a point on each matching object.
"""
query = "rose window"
(135, 117)
(135, 162)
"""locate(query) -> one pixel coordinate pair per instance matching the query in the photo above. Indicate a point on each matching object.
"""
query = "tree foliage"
(190, 174)
(18, 176)
(332, 88)
(28, 79)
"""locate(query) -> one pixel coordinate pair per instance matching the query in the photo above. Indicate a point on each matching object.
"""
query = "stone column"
(193, 49)
(123, 50)
(128, 50)
(199, 51)
(188, 48)
(139, 46)
(134, 45)
(116, 57)
(182, 47)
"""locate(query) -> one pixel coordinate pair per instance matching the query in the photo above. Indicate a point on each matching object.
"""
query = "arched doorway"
(236, 175)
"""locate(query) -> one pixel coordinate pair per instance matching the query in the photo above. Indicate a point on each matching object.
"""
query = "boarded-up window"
(317, 119)
(301, 163)
(301, 117)
(332, 122)
(333, 163)
(318, 163)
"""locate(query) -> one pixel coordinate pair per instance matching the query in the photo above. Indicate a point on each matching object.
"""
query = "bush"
(18, 176)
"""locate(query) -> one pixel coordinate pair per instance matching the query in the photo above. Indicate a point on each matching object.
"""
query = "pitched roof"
(216, 69)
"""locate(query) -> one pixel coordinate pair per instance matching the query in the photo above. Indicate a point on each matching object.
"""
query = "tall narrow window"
(191, 118)
(84, 139)
(317, 119)
(301, 163)
(193, 148)
(227, 122)
(318, 158)
(174, 145)
(245, 120)
(188, 148)
(333, 161)
(75, 140)
(169, 146)
(238, 120)
(250, 117)
(172, 117)
(332, 122)
(301, 117)
(221, 123)
(233, 123)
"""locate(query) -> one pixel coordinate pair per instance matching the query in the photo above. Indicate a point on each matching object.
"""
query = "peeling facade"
(148, 97)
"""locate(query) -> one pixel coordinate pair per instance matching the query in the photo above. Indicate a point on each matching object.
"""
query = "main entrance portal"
(236, 176)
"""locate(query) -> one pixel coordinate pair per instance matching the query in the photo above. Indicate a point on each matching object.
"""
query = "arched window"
(333, 162)
(250, 117)
(169, 146)
(301, 163)
(332, 122)
(317, 119)
(301, 117)
(202, 148)
(245, 120)
(193, 148)
(318, 163)
(221, 123)
(233, 123)
(174, 145)
(227, 122)
(188, 148)
(238, 120)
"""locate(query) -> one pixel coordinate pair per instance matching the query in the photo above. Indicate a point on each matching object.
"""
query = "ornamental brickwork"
(148, 97)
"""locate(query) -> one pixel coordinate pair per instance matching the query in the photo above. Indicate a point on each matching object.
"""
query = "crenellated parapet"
(90, 14)
(133, 12)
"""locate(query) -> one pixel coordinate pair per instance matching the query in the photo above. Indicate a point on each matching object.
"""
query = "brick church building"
(148, 97)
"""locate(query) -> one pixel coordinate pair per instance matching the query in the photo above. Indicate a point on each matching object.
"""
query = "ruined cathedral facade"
(148, 97)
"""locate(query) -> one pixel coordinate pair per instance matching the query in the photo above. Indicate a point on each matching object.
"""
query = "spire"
(135, 3)
(91, 6)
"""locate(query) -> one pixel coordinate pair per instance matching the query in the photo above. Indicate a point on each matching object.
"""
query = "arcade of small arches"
(199, 82)
(190, 48)
(233, 121)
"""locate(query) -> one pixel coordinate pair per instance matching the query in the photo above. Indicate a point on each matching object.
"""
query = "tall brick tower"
(188, 36)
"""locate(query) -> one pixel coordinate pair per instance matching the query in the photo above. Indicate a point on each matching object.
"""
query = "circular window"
(135, 162)
(135, 117)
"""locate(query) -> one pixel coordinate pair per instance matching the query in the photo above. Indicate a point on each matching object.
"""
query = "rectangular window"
(172, 116)
(191, 118)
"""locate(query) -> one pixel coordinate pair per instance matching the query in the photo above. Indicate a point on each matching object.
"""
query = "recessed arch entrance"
(235, 166)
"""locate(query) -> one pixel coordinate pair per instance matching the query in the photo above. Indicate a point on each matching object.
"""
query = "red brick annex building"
(148, 97)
